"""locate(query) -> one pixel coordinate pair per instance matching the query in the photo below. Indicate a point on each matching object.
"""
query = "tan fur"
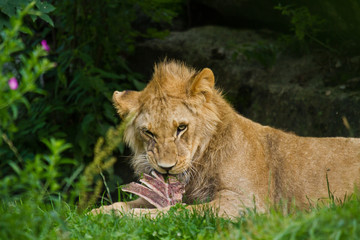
(227, 160)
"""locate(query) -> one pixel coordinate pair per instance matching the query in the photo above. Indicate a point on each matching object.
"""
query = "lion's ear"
(125, 101)
(203, 83)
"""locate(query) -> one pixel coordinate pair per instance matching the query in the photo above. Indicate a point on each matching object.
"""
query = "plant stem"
(11, 146)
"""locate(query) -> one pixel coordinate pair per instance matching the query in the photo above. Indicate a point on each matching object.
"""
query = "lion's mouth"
(183, 176)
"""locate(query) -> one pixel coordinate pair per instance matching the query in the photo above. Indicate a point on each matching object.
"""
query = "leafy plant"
(38, 176)
(18, 73)
(9, 9)
(306, 26)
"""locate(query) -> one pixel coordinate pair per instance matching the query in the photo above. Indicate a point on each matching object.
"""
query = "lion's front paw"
(117, 208)
(148, 212)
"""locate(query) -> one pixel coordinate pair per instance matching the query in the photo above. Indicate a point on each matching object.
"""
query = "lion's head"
(172, 119)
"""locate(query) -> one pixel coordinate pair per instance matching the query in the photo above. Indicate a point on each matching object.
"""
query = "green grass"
(28, 220)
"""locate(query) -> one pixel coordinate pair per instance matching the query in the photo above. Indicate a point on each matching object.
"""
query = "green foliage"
(40, 177)
(307, 27)
(37, 177)
(303, 23)
(24, 69)
(333, 23)
(30, 67)
(29, 220)
(10, 8)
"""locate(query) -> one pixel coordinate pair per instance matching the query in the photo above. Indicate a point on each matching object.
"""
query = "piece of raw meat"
(156, 190)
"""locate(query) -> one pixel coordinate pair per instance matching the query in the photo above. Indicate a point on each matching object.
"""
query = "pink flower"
(13, 83)
(45, 46)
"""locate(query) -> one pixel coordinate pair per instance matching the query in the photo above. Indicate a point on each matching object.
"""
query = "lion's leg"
(223, 204)
(226, 204)
(229, 204)
(122, 207)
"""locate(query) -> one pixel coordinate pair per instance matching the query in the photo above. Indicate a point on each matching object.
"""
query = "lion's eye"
(148, 133)
(181, 128)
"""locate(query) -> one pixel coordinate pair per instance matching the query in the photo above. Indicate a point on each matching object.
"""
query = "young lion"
(181, 125)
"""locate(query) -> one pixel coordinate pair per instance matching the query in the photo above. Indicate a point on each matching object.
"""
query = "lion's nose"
(166, 167)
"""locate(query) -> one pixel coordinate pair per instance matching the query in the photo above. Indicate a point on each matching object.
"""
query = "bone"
(156, 191)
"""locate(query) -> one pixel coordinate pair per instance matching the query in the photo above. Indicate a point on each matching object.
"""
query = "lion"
(182, 125)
